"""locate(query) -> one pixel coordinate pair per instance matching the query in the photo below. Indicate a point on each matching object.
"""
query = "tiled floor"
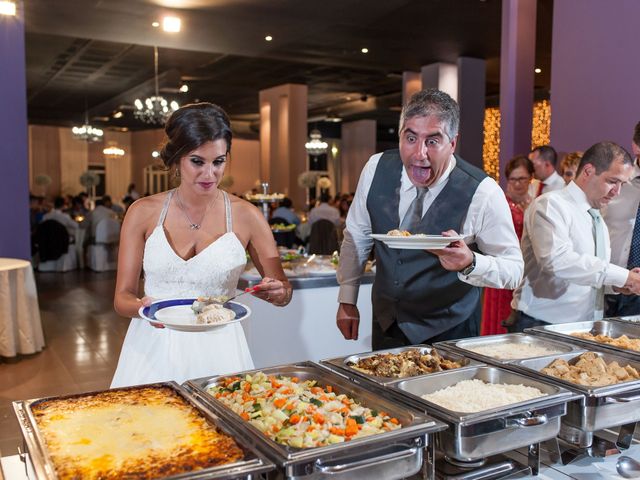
(83, 338)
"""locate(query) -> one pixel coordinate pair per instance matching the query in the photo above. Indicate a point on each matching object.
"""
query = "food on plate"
(620, 342)
(405, 364)
(283, 226)
(201, 302)
(470, 396)
(591, 370)
(299, 413)
(139, 432)
(398, 233)
(268, 197)
(290, 256)
(214, 313)
(511, 351)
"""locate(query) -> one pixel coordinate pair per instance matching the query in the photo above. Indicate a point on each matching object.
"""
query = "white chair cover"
(103, 254)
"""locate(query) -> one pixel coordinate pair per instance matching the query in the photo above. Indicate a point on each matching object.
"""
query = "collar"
(578, 196)
(406, 185)
(551, 178)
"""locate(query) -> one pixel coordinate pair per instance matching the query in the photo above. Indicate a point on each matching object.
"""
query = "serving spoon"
(627, 467)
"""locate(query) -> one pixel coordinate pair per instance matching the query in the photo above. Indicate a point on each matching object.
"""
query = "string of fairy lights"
(540, 134)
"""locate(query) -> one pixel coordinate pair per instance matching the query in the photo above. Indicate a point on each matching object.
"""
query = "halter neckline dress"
(152, 354)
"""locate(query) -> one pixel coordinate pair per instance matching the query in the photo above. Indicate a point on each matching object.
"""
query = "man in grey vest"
(426, 296)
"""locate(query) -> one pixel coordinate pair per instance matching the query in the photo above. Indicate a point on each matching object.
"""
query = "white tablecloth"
(20, 325)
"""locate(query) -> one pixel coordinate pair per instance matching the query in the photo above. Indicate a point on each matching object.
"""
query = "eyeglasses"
(519, 179)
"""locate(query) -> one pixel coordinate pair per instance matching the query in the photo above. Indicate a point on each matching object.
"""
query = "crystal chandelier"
(113, 151)
(154, 109)
(86, 132)
(316, 146)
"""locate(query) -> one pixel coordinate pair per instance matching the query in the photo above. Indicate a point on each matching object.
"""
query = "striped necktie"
(598, 237)
(413, 216)
(634, 249)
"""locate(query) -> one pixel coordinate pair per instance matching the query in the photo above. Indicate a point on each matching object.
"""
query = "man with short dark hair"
(547, 179)
(324, 211)
(565, 245)
(286, 212)
(61, 217)
(422, 296)
(622, 218)
(103, 210)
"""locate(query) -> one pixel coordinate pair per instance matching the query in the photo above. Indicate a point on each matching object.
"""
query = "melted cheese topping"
(150, 432)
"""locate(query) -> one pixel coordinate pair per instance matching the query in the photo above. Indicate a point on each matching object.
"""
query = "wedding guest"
(59, 216)
(569, 165)
(544, 159)
(324, 211)
(286, 212)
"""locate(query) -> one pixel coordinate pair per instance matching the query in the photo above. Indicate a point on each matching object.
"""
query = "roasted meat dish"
(405, 364)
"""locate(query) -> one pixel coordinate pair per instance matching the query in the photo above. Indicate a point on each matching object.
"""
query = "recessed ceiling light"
(365, 50)
(8, 8)
(184, 88)
(538, 70)
(155, 24)
(118, 114)
(171, 24)
(155, 154)
(268, 38)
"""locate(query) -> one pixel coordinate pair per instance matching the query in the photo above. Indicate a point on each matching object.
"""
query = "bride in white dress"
(191, 241)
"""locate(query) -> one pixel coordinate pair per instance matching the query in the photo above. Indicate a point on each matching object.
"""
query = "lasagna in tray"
(145, 432)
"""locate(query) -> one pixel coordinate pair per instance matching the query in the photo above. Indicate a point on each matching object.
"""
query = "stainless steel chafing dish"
(343, 364)
(39, 464)
(474, 436)
(612, 329)
(390, 455)
(598, 407)
(464, 346)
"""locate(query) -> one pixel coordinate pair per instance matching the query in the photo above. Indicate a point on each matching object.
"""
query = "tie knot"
(595, 214)
(421, 192)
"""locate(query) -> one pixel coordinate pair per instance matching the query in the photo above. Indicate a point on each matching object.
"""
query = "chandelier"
(112, 151)
(86, 132)
(315, 146)
(154, 109)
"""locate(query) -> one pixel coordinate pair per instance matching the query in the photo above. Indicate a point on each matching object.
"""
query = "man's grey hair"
(602, 155)
(433, 102)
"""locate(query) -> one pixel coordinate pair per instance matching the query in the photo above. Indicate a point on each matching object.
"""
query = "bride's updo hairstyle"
(190, 127)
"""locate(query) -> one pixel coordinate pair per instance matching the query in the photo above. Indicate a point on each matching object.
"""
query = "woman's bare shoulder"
(147, 209)
(244, 208)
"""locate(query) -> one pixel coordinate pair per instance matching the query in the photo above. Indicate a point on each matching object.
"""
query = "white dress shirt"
(562, 274)
(551, 183)
(59, 216)
(324, 211)
(620, 217)
(488, 223)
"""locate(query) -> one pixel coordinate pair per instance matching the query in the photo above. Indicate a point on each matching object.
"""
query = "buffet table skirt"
(20, 325)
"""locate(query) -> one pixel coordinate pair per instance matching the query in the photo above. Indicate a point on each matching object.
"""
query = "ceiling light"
(538, 70)
(8, 8)
(155, 154)
(113, 151)
(365, 50)
(315, 146)
(154, 109)
(118, 114)
(155, 24)
(87, 133)
(171, 24)
(268, 38)
(333, 118)
(184, 88)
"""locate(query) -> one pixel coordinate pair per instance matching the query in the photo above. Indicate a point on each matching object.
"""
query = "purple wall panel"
(14, 159)
(595, 73)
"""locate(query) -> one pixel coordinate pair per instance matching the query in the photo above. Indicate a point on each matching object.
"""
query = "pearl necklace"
(193, 225)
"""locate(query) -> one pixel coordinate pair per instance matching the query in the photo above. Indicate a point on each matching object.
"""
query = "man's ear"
(589, 170)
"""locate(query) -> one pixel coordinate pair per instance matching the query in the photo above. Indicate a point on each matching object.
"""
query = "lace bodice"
(213, 271)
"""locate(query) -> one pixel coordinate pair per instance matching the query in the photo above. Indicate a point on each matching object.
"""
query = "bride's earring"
(177, 174)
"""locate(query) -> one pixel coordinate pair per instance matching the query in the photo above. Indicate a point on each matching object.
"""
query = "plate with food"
(195, 314)
(402, 239)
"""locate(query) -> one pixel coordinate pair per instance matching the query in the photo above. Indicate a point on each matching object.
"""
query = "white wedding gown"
(152, 354)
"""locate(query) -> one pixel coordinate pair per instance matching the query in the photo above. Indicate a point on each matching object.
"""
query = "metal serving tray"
(473, 436)
(612, 329)
(38, 457)
(389, 455)
(463, 346)
(599, 407)
(341, 364)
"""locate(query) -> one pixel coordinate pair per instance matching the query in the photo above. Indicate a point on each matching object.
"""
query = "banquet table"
(20, 325)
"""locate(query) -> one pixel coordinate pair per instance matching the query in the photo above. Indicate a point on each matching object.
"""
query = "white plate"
(176, 314)
(422, 242)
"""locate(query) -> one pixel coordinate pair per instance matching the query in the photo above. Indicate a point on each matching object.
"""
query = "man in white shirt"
(103, 210)
(324, 211)
(61, 217)
(425, 296)
(565, 245)
(547, 179)
(624, 231)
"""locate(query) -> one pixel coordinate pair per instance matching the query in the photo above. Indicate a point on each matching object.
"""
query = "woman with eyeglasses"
(497, 303)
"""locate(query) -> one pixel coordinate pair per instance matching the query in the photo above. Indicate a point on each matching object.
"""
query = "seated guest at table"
(544, 159)
(496, 305)
(191, 241)
(569, 165)
(324, 211)
(286, 212)
(103, 210)
(425, 296)
(621, 217)
(59, 216)
(565, 245)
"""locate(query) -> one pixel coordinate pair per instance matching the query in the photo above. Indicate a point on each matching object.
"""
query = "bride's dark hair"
(190, 127)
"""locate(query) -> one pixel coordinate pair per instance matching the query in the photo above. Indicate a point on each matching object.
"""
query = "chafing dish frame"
(358, 458)
(460, 346)
(38, 457)
(472, 436)
(340, 364)
(612, 328)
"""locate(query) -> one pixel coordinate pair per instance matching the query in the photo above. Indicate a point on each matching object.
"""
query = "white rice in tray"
(512, 351)
(470, 396)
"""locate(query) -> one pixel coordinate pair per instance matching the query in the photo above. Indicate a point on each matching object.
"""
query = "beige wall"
(44, 158)
(358, 144)
(244, 165)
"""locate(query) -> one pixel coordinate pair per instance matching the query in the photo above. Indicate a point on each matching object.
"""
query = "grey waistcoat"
(411, 287)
